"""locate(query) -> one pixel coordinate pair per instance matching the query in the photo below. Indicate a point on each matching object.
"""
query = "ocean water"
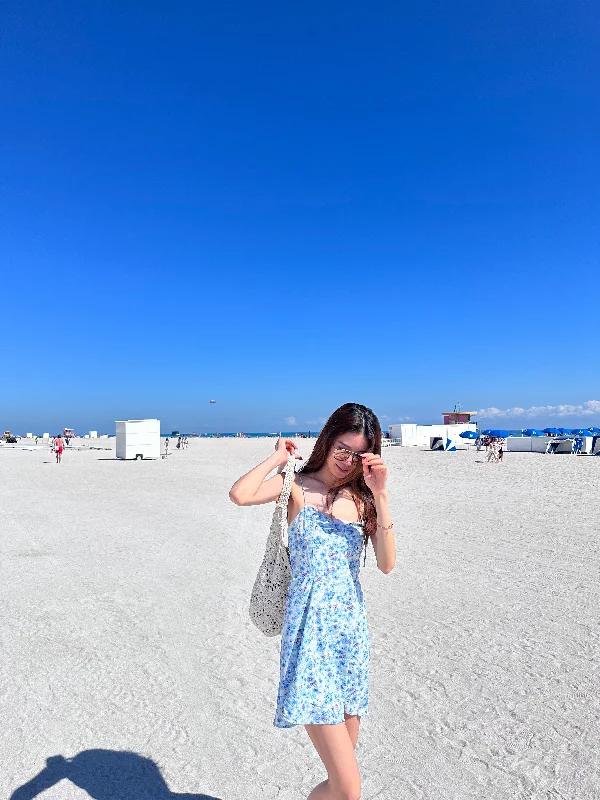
(286, 434)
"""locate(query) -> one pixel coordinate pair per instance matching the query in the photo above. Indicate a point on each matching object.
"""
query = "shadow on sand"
(105, 775)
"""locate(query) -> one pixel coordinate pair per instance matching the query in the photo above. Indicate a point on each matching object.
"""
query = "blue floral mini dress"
(324, 660)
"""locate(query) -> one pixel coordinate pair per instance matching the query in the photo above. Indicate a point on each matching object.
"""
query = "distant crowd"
(494, 447)
(182, 444)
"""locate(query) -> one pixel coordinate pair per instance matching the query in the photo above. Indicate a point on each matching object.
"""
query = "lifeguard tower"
(457, 417)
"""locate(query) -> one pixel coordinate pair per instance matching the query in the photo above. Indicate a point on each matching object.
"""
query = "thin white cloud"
(587, 409)
(317, 421)
(290, 420)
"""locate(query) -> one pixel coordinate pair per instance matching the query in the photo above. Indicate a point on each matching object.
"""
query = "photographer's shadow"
(105, 775)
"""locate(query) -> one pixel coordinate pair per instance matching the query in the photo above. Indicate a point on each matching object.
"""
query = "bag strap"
(287, 483)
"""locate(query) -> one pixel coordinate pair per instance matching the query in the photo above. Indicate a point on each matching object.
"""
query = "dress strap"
(303, 495)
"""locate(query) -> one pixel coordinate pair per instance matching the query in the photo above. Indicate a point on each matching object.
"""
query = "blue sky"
(284, 208)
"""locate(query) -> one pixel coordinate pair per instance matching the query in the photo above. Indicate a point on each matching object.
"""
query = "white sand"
(124, 593)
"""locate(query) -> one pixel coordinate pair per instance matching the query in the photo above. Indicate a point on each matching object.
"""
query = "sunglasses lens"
(344, 455)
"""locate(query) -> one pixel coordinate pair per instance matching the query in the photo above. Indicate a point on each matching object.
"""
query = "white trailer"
(138, 438)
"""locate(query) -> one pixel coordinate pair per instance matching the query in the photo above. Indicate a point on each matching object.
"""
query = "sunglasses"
(342, 454)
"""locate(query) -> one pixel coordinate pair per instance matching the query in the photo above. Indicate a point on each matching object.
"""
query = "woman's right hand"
(284, 449)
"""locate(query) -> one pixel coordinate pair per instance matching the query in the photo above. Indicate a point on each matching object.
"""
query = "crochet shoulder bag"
(269, 593)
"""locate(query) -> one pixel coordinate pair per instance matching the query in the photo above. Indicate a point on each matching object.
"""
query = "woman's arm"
(252, 489)
(384, 542)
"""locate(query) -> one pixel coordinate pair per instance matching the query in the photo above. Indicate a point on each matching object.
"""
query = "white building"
(526, 444)
(455, 423)
(421, 435)
(93, 434)
(138, 438)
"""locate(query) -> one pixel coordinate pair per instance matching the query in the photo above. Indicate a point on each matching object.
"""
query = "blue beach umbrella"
(469, 435)
(532, 432)
(580, 432)
(498, 434)
(594, 431)
(551, 431)
(564, 431)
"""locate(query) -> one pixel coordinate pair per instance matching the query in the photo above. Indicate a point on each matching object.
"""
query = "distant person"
(36, 439)
(338, 503)
(500, 453)
(167, 446)
(492, 454)
(59, 446)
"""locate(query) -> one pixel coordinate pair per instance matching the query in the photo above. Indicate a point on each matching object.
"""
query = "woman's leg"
(352, 723)
(336, 750)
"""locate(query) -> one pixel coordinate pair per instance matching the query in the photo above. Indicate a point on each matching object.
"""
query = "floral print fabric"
(324, 660)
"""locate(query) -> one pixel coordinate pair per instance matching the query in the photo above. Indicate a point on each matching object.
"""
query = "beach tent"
(442, 443)
(559, 446)
(596, 446)
(587, 444)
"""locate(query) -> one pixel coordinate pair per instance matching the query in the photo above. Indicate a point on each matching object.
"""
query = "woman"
(338, 502)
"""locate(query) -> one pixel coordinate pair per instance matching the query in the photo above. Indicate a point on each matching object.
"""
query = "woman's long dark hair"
(350, 418)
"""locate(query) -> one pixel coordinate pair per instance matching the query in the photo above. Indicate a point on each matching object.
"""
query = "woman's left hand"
(375, 472)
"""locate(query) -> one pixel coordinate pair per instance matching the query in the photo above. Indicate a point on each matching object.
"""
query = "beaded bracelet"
(385, 527)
